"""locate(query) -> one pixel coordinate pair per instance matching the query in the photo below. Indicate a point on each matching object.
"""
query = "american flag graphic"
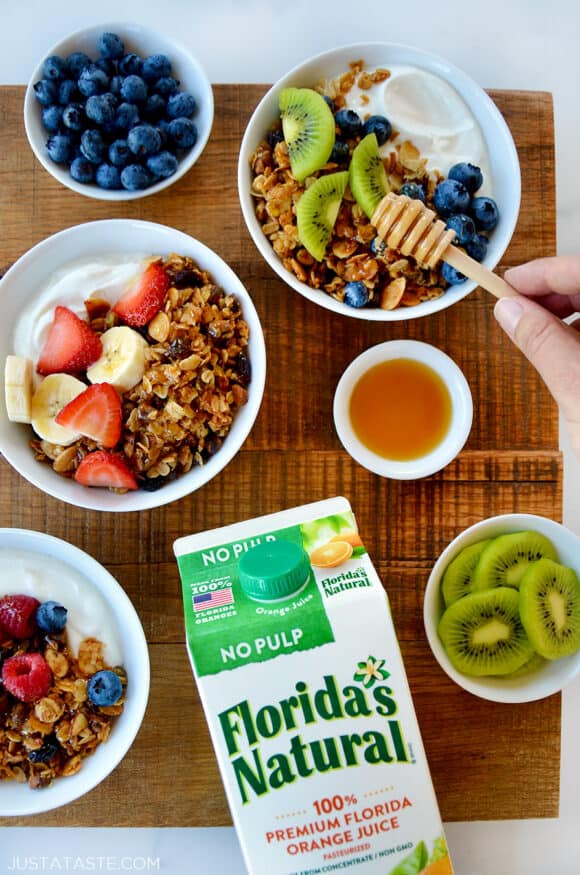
(213, 599)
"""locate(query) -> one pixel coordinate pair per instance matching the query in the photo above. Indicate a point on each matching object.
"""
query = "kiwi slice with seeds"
(482, 633)
(458, 576)
(550, 608)
(316, 212)
(309, 130)
(505, 560)
(368, 177)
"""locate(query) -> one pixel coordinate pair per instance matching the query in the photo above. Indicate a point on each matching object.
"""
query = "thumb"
(550, 345)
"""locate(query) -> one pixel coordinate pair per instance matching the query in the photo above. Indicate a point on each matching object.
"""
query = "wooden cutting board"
(488, 760)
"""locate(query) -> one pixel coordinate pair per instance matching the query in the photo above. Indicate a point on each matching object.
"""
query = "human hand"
(550, 291)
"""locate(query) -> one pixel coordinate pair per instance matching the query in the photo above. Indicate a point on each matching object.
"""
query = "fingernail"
(508, 313)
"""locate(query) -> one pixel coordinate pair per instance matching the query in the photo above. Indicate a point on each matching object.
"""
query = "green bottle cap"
(274, 570)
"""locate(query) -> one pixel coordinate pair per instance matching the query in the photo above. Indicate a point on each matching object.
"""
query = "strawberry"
(95, 413)
(18, 616)
(27, 676)
(144, 297)
(100, 468)
(70, 347)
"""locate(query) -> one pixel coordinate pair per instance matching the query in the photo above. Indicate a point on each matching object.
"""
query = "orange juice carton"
(292, 644)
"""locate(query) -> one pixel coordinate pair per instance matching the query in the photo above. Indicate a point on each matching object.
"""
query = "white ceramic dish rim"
(506, 174)
(461, 416)
(115, 236)
(19, 799)
(143, 40)
(538, 684)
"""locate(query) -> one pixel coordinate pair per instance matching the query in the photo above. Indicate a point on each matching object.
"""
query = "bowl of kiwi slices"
(340, 131)
(502, 608)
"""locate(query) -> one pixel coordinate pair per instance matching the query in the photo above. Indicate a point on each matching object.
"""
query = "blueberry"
(464, 227)
(340, 152)
(54, 68)
(477, 247)
(356, 294)
(115, 84)
(468, 175)
(50, 748)
(93, 80)
(450, 197)
(100, 108)
(413, 190)
(110, 46)
(82, 170)
(183, 132)
(51, 617)
(73, 116)
(119, 153)
(143, 140)
(104, 688)
(46, 92)
(379, 126)
(68, 92)
(108, 67)
(181, 105)
(156, 66)
(76, 63)
(274, 137)
(485, 213)
(108, 177)
(378, 246)
(52, 118)
(451, 275)
(330, 103)
(93, 146)
(130, 65)
(162, 165)
(127, 116)
(348, 122)
(154, 107)
(133, 89)
(135, 177)
(60, 148)
(165, 85)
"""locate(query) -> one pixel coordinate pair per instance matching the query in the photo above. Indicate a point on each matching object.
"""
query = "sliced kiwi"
(482, 633)
(550, 608)
(533, 664)
(457, 579)
(368, 178)
(317, 209)
(506, 558)
(309, 130)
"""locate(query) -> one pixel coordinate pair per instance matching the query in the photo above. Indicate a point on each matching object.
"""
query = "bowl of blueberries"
(118, 111)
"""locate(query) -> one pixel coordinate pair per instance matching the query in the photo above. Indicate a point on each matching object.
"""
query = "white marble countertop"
(518, 44)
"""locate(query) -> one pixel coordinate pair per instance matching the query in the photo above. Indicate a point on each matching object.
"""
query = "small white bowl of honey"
(403, 409)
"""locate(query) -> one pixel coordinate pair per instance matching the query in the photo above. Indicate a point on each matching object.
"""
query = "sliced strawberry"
(18, 616)
(100, 468)
(95, 413)
(27, 676)
(144, 297)
(70, 347)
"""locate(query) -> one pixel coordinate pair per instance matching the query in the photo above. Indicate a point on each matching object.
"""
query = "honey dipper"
(407, 225)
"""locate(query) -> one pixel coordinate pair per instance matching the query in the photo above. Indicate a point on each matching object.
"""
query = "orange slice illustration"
(441, 867)
(331, 554)
(350, 536)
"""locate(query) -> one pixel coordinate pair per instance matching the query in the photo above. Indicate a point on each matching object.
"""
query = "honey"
(400, 409)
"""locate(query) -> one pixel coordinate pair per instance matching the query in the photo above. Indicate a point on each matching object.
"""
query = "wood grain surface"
(489, 761)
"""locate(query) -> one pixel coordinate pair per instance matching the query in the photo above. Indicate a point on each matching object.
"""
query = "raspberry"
(27, 676)
(18, 615)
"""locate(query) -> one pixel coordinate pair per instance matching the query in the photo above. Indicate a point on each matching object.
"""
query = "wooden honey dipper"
(407, 225)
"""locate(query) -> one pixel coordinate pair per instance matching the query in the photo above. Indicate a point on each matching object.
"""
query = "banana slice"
(18, 388)
(122, 362)
(51, 396)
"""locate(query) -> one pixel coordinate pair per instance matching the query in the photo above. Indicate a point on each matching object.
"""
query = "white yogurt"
(71, 286)
(48, 579)
(426, 110)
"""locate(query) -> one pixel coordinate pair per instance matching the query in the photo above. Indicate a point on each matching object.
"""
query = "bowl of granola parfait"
(134, 365)
(340, 131)
(74, 672)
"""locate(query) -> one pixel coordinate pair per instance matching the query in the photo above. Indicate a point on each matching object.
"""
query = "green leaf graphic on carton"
(439, 851)
(370, 670)
(413, 863)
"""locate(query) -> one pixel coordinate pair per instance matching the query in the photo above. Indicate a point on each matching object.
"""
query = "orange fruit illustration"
(350, 536)
(440, 867)
(331, 554)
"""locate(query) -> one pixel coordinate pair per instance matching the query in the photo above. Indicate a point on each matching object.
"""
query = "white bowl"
(94, 239)
(505, 170)
(144, 41)
(543, 681)
(19, 799)
(461, 409)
